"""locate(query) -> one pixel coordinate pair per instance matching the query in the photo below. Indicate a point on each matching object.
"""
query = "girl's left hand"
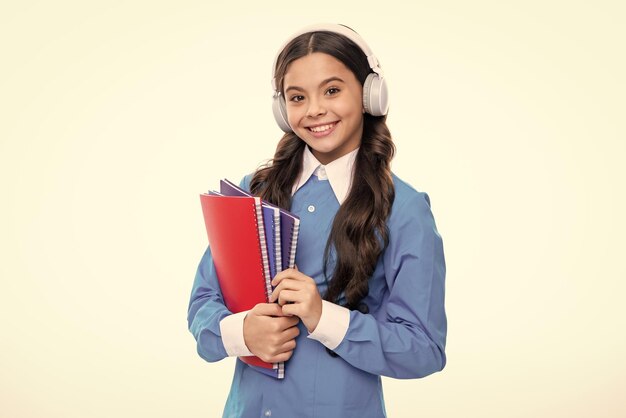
(293, 286)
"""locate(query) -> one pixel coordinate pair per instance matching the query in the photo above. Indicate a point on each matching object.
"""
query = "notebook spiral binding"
(277, 252)
(261, 230)
(266, 269)
(294, 244)
(292, 264)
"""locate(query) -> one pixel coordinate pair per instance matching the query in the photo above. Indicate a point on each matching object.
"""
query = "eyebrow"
(328, 80)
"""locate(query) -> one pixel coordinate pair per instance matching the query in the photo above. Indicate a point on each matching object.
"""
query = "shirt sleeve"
(206, 310)
(332, 326)
(231, 328)
(217, 331)
(406, 337)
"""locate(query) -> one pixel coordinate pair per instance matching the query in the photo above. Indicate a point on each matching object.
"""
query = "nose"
(316, 108)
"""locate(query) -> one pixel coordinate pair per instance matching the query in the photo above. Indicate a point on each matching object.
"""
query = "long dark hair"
(359, 233)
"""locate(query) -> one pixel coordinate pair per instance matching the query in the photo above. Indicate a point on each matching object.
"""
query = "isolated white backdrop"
(115, 115)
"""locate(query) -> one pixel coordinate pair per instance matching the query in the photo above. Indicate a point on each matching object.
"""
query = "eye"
(296, 98)
(333, 90)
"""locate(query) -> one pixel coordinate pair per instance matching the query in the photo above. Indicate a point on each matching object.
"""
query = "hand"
(269, 334)
(301, 290)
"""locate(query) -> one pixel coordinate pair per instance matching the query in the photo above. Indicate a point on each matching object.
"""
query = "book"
(236, 234)
(285, 230)
(267, 237)
(271, 220)
(289, 226)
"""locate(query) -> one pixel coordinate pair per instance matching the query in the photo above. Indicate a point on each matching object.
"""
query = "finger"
(289, 345)
(292, 309)
(267, 309)
(306, 292)
(286, 296)
(287, 322)
(280, 357)
(274, 356)
(284, 285)
(289, 273)
(293, 321)
(291, 333)
(280, 276)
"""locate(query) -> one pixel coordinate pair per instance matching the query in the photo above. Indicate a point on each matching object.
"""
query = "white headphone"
(375, 95)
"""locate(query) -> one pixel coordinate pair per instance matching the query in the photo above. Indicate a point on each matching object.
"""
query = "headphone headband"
(335, 28)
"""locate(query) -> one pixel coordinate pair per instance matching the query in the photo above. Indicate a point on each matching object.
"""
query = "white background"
(115, 115)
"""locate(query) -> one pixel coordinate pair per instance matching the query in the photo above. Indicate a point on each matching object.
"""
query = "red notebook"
(234, 227)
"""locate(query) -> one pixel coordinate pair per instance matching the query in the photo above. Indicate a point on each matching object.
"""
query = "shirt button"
(311, 208)
(268, 413)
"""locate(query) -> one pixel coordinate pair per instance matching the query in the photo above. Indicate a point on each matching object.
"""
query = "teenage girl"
(367, 297)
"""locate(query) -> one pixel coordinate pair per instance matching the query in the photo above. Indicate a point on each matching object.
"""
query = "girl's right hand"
(269, 334)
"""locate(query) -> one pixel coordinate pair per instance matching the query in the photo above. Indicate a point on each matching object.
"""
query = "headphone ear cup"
(375, 95)
(280, 113)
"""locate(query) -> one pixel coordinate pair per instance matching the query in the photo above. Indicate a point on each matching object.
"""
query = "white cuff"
(333, 325)
(231, 328)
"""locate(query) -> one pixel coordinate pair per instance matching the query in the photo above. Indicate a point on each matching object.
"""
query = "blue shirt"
(402, 336)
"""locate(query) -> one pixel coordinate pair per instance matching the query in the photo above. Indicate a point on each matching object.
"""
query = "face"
(324, 105)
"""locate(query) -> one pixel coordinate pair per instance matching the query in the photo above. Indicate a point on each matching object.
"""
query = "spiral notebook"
(251, 240)
(271, 224)
(284, 231)
(236, 236)
(289, 227)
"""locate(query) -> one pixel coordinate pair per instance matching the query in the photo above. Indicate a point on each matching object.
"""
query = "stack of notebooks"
(250, 240)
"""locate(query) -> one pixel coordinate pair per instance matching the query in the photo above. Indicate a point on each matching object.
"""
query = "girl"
(367, 297)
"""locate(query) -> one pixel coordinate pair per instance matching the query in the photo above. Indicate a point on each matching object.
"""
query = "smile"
(322, 130)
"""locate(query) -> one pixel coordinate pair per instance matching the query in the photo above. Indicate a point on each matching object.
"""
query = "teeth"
(322, 128)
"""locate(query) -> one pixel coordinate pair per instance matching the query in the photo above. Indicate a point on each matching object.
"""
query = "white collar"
(339, 172)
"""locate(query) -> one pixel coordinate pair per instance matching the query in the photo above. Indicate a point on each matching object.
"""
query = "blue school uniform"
(402, 336)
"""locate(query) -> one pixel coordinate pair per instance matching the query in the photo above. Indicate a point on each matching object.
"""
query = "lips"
(322, 129)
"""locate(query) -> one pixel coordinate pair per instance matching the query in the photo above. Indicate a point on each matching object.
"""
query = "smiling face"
(324, 105)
